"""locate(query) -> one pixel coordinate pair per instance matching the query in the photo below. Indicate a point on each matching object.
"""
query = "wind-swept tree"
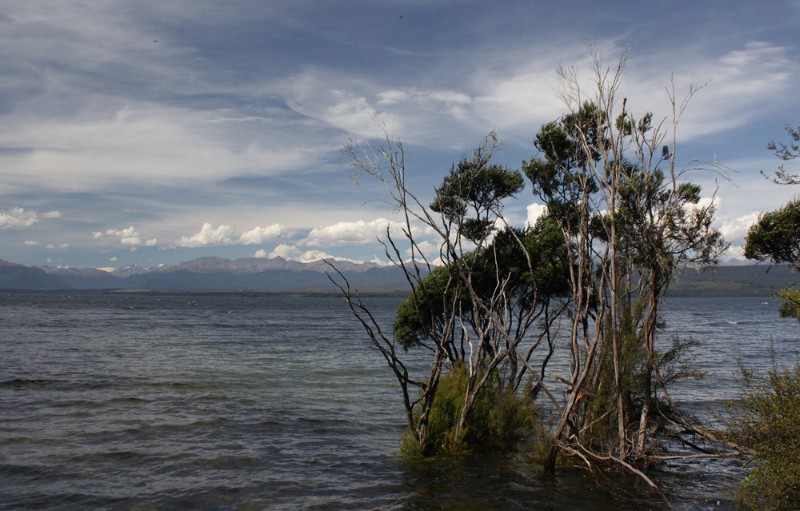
(610, 180)
(620, 220)
(776, 235)
(471, 310)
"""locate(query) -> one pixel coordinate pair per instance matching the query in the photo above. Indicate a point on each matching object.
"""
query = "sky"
(156, 132)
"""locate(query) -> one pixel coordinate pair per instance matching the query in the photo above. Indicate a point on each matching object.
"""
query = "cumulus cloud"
(735, 252)
(534, 212)
(292, 253)
(18, 218)
(429, 250)
(352, 233)
(260, 235)
(59, 246)
(208, 235)
(736, 228)
(733, 229)
(283, 250)
(227, 235)
(127, 236)
(30, 243)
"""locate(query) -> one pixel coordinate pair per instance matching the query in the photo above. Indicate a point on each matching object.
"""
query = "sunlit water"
(146, 401)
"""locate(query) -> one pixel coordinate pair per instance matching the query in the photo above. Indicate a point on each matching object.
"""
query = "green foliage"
(424, 311)
(767, 422)
(471, 195)
(776, 236)
(498, 420)
(559, 177)
(673, 363)
(790, 308)
(600, 402)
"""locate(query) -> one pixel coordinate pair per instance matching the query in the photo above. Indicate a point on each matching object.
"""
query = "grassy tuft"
(499, 419)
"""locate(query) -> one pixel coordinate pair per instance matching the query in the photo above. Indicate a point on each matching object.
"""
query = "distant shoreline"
(742, 280)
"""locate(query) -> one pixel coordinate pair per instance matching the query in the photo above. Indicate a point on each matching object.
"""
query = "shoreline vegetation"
(621, 223)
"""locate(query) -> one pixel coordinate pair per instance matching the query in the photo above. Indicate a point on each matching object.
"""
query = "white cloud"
(310, 256)
(60, 246)
(30, 243)
(111, 146)
(260, 254)
(127, 236)
(534, 212)
(352, 233)
(260, 235)
(703, 203)
(208, 235)
(227, 235)
(292, 253)
(392, 97)
(734, 252)
(430, 250)
(736, 228)
(18, 218)
(283, 250)
(441, 100)
(740, 85)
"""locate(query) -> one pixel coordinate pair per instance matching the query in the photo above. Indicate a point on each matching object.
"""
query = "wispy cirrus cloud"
(155, 115)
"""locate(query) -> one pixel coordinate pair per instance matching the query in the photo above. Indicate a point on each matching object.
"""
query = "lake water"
(223, 402)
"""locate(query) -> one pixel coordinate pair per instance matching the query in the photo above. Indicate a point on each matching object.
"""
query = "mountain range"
(281, 275)
(204, 274)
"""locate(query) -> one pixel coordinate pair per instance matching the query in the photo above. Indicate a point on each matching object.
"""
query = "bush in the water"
(766, 421)
(498, 420)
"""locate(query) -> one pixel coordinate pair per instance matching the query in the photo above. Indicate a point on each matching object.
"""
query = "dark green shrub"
(790, 308)
(499, 418)
(766, 421)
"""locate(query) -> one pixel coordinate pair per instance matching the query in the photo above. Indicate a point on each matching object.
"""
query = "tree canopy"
(619, 220)
(787, 151)
(472, 194)
(776, 236)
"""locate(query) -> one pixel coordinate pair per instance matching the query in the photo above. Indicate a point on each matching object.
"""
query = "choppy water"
(146, 401)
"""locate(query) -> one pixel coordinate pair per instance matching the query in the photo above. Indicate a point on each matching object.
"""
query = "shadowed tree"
(473, 311)
(776, 235)
(610, 181)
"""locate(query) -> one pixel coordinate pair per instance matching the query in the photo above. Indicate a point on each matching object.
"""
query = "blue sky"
(155, 132)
